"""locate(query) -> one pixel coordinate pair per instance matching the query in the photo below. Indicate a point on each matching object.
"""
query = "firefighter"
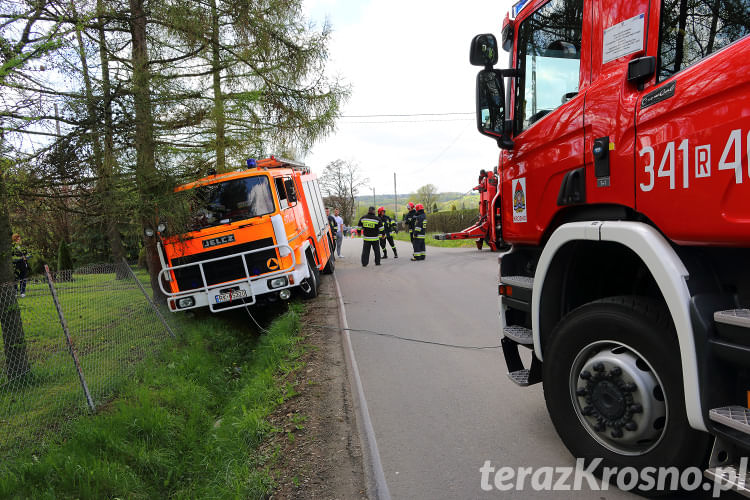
(420, 230)
(409, 219)
(387, 228)
(371, 229)
(334, 232)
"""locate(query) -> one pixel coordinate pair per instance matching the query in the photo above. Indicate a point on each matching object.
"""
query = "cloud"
(408, 57)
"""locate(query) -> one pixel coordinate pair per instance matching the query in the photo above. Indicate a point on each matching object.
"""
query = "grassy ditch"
(431, 241)
(187, 425)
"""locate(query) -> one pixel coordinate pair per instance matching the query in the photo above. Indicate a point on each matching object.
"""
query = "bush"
(142, 263)
(64, 259)
(37, 263)
(452, 221)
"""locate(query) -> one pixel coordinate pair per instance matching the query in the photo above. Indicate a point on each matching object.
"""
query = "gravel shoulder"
(317, 447)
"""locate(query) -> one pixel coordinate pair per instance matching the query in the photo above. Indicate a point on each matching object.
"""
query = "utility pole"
(395, 197)
(373, 198)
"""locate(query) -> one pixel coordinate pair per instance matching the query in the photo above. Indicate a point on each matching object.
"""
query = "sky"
(407, 57)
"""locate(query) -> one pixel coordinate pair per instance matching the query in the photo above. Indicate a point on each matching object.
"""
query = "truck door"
(693, 123)
(618, 35)
(547, 115)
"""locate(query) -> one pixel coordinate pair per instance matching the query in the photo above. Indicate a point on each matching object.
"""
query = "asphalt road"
(439, 413)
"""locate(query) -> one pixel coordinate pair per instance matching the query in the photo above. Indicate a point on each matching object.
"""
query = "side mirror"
(490, 103)
(291, 193)
(506, 35)
(483, 50)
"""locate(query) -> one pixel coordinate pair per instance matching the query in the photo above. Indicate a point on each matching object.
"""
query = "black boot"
(385, 255)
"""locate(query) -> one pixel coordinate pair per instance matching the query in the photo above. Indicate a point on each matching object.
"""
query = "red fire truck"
(624, 192)
(254, 234)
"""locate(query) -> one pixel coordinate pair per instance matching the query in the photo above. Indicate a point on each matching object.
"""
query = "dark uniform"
(389, 225)
(371, 229)
(410, 223)
(21, 266)
(332, 224)
(420, 229)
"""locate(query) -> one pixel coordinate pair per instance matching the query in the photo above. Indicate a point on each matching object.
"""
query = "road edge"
(377, 487)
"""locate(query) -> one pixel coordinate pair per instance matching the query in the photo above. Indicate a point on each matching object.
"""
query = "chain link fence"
(70, 340)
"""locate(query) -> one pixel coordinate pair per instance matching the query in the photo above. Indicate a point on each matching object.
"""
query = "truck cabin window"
(549, 56)
(230, 201)
(690, 31)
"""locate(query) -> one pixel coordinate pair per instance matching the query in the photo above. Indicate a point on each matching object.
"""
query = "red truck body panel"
(681, 162)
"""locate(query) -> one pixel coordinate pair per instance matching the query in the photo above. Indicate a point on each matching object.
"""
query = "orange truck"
(256, 235)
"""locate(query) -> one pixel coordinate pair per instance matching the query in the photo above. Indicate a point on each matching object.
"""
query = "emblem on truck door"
(222, 240)
(658, 95)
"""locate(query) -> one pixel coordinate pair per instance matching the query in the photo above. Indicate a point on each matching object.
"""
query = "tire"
(330, 266)
(590, 402)
(313, 280)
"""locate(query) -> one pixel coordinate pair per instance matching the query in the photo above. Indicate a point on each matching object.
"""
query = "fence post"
(145, 293)
(71, 347)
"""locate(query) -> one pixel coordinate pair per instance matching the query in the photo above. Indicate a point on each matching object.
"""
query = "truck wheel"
(309, 285)
(613, 386)
(330, 266)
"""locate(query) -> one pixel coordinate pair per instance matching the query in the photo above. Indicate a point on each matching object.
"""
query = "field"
(431, 241)
(112, 328)
(175, 418)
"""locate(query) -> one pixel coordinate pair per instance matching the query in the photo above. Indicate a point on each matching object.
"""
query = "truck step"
(519, 334)
(736, 417)
(735, 317)
(519, 281)
(731, 477)
(520, 377)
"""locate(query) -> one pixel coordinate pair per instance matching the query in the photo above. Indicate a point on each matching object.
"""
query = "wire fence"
(70, 340)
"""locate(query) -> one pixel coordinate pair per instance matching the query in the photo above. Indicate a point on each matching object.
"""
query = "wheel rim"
(618, 398)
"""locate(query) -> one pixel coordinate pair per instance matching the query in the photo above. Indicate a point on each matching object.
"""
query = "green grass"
(186, 425)
(431, 241)
(112, 328)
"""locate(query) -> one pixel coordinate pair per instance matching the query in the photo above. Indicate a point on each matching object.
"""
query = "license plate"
(230, 296)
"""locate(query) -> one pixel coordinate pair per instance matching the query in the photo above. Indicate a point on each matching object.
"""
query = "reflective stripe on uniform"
(421, 236)
(369, 238)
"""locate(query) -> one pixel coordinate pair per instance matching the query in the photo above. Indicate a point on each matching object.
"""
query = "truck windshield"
(230, 201)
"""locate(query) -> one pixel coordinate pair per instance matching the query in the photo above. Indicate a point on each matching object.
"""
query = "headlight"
(161, 227)
(184, 302)
(148, 232)
(278, 282)
(285, 294)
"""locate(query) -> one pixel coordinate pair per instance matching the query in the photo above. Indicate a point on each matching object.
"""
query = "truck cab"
(624, 130)
(252, 235)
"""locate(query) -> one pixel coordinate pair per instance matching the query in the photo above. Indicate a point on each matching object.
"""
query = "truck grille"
(226, 269)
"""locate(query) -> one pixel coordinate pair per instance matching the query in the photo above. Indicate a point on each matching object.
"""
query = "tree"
(434, 207)
(427, 195)
(341, 181)
(21, 42)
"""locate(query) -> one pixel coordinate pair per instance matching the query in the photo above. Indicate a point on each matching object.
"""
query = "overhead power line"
(405, 115)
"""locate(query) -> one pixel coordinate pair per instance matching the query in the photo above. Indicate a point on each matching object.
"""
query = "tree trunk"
(679, 52)
(108, 157)
(14, 344)
(219, 116)
(104, 181)
(147, 178)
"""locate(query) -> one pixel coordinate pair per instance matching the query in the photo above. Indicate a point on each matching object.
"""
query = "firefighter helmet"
(381, 210)
(410, 205)
(419, 206)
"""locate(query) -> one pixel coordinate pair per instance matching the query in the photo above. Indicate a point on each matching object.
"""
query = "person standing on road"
(339, 231)
(20, 264)
(332, 225)
(420, 230)
(371, 228)
(387, 228)
(410, 220)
